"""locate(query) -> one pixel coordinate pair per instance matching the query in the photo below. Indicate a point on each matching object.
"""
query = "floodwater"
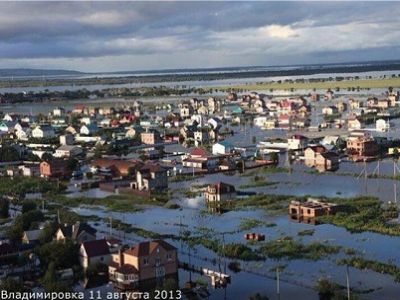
(299, 276)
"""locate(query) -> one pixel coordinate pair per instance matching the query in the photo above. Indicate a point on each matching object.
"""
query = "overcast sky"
(113, 36)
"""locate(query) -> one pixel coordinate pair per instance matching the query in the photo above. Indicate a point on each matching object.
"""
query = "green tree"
(12, 285)
(51, 283)
(63, 254)
(4, 208)
(28, 206)
(274, 157)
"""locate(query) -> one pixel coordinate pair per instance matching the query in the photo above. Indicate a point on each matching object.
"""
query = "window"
(169, 256)
(145, 261)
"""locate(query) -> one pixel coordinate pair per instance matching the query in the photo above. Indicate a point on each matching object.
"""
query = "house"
(89, 129)
(220, 192)
(143, 262)
(330, 110)
(185, 110)
(79, 232)
(54, 168)
(150, 177)
(106, 122)
(23, 132)
(201, 136)
(133, 132)
(330, 140)
(215, 123)
(355, 104)
(58, 112)
(311, 153)
(151, 137)
(320, 158)
(284, 121)
(93, 252)
(312, 208)
(378, 103)
(71, 130)
(86, 120)
(7, 126)
(117, 166)
(68, 151)
(31, 237)
(43, 131)
(66, 139)
(297, 142)
(382, 125)
(341, 106)
(200, 158)
(327, 161)
(361, 147)
(222, 148)
(31, 170)
(354, 124)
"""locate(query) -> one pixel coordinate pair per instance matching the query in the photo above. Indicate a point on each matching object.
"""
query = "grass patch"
(306, 232)
(344, 84)
(264, 170)
(247, 224)
(268, 202)
(364, 214)
(383, 268)
(289, 248)
(121, 203)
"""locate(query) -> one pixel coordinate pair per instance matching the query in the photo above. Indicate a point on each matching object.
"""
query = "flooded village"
(229, 196)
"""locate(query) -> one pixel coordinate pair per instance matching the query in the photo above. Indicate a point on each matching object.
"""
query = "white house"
(93, 252)
(106, 122)
(382, 125)
(89, 129)
(68, 151)
(214, 122)
(297, 142)
(43, 131)
(86, 120)
(58, 112)
(222, 147)
(6, 126)
(260, 121)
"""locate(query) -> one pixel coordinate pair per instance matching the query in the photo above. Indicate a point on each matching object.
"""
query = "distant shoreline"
(181, 77)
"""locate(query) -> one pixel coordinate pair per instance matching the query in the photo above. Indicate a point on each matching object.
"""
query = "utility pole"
(110, 226)
(278, 292)
(348, 282)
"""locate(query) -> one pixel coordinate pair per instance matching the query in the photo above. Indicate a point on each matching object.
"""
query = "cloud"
(146, 35)
(278, 31)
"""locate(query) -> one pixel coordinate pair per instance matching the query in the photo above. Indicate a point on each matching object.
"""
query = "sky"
(116, 36)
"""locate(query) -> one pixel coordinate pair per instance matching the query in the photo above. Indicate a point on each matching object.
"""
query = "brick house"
(144, 261)
(54, 168)
(150, 137)
(150, 177)
(312, 208)
(361, 147)
(220, 192)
